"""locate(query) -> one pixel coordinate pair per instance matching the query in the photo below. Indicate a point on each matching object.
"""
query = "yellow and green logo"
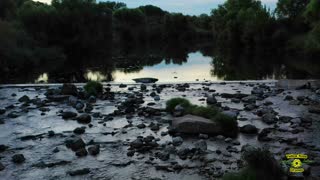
(295, 161)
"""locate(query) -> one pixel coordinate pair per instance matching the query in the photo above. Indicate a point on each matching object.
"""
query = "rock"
(178, 111)
(296, 121)
(288, 98)
(79, 130)
(141, 126)
(75, 144)
(211, 100)
(13, 114)
(92, 99)
(2, 111)
(84, 119)
(315, 110)
(79, 106)
(301, 98)
(263, 135)
(138, 143)
(194, 125)
(257, 91)
(163, 156)
(201, 145)
(56, 150)
(122, 86)
(177, 141)
(81, 152)
(203, 136)
(233, 114)
(94, 150)
(24, 99)
(68, 115)
(18, 158)
(249, 107)
(58, 98)
(269, 118)
(143, 87)
(228, 140)
(154, 127)
(51, 133)
(79, 172)
(1, 167)
(249, 99)
(3, 147)
(145, 80)
(157, 98)
(69, 89)
(249, 129)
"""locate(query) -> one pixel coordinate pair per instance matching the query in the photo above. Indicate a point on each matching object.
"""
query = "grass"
(229, 124)
(93, 88)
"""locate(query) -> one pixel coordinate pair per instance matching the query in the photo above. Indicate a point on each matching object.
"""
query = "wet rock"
(285, 119)
(201, 145)
(1, 167)
(50, 165)
(288, 98)
(75, 144)
(79, 106)
(177, 141)
(94, 150)
(257, 91)
(178, 111)
(18, 158)
(163, 156)
(211, 100)
(249, 129)
(141, 126)
(231, 113)
(295, 121)
(143, 87)
(250, 107)
(2, 111)
(79, 130)
(249, 99)
(130, 153)
(138, 143)
(122, 86)
(24, 99)
(263, 135)
(315, 110)
(84, 119)
(81, 152)
(13, 114)
(157, 98)
(269, 118)
(69, 89)
(56, 150)
(3, 147)
(92, 99)
(79, 172)
(68, 115)
(58, 98)
(194, 125)
(228, 140)
(154, 127)
(203, 136)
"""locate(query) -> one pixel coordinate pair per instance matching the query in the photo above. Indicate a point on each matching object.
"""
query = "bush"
(93, 88)
(245, 174)
(172, 103)
(206, 112)
(229, 124)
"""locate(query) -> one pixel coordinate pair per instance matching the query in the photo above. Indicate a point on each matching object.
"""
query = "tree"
(290, 8)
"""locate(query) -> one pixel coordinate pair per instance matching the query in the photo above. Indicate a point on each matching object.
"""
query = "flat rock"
(190, 124)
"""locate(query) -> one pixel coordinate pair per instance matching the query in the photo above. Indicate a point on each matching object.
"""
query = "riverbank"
(45, 127)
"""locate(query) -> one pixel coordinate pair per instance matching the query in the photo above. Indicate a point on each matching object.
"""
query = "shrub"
(245, 174)
(172, 103)
(93, 88)
(206, 112)
(229, 124)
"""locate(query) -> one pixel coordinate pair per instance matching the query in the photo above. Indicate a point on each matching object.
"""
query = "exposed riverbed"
(26, 125)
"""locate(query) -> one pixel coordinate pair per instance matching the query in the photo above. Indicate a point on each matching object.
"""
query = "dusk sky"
(191, 7)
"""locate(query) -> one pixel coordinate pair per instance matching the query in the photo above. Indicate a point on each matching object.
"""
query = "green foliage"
(290, 8)
(206, 112)
(172, 103)
(93, 88)
(229, 124)
(245, 174)
(312, 11)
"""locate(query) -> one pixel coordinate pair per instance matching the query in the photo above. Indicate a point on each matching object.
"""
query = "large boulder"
(190, 124)
(69, 89)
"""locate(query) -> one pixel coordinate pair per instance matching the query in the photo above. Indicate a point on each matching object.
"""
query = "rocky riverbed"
(51, 133)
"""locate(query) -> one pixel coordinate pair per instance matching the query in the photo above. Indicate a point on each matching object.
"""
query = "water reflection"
(43, 78)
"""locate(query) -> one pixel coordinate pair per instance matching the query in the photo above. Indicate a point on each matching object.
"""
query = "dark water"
(170, 63)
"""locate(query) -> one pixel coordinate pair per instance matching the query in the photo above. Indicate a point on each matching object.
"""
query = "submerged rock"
(79, 172)
(84, 119)
(18, 158)
(94, 150)
(194, 125)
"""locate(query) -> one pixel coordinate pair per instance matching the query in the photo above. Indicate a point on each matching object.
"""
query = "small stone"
(141, 126)
(79, 130)
(81, 152)
(68, 115)
(94, 150)
(24, 98)
(211, 100)
(84, 119)
(249, 129)
(228, 140)
(18, 158)
(288, 98)
(75, 144)
(51, 133)
(201, 145)
(177, 141)
(56, 150)
(79, 172)
(157, 98)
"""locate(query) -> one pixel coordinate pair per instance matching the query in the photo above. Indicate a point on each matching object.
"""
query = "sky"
(190, 7)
